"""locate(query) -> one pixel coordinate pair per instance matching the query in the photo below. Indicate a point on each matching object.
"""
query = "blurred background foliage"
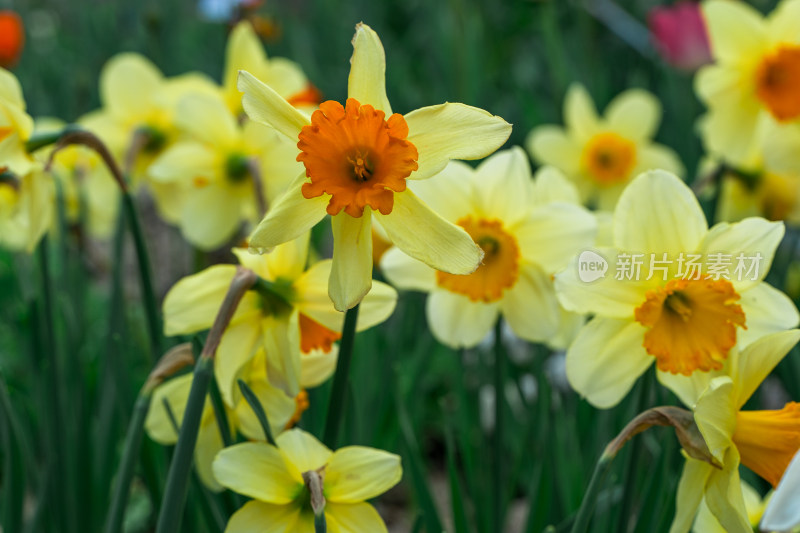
(409, 394)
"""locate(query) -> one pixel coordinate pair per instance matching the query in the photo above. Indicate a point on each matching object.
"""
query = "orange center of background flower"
(315, 336)
(691, 324)
(768, 440)
(301, 406)
(778, 83)
(356, 156)
(609, 158)
(500, 267)
(12, 38)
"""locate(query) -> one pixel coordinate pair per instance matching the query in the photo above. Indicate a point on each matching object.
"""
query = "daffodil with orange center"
(602, 154)
(358, 158)
(527, 229)
(753, 87)
(16, 127)
(675, 292)
(763, 441)
(291, 317)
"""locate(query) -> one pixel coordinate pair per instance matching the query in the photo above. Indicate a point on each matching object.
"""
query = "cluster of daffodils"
(604, 252)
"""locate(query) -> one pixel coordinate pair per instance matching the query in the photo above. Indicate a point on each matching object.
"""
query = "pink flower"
(680, 35)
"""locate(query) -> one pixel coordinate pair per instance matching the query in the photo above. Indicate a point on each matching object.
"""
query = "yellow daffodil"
(753, 504)
(763, 441)
(528, 231)
(670, 291)
(753, 87)
(357, 159)
(16, 127)
(221, 169)
(783, 509)
(274, 478)
(769, 195)
(602, 154)
(245, 52)
(159, 425)
(296, 316)
(26, 209)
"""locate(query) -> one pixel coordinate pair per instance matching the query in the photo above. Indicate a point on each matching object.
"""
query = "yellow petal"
(750, 368)
(688, 389)
(690, 493)
(206, 118)
(278, 406)
(552, 146)
(288, 218)
(450, 194)
(10, 89)
(158, 424)
(316, 367)
(530, 307)
(552, 235)
(351, 271)
(657, 156)
(357, 473)
(242, 52)
(715, 415)
(580, 114)
(414, 228)
(182, 162)
(261, 517)
(503, 186)
(209, 443)
(724, 495)
(211, 215)
(457, 321)
(258, 470)
(766, 310)
(367, 81)
(406, 273)
(128, 84)
(658, 213)
(263, 104)
(606, 359)
(238, 345)
(303, 450)
(282, 343)
(453, 131)
(288, 261)
(735, 30)
(550, 185)
(634, 114)
(354, 517)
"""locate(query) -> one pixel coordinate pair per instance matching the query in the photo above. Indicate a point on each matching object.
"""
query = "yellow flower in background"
(159, 425)
(295, 318)
(16, 127)
(528, 231)
(753, 503)
(763, 441)
(357, 159)
(220, 168)
(672, 291)
(602, 154)
(273, 477)
(754, 85)
(245, 52)
(26, 209)
(769, 195)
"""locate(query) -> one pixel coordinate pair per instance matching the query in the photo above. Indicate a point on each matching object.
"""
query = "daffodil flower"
(160, 426)
(754, 504)
(675, 292)
(753, 87)
(783, 510)
(295, 318)
(357, 159)
(16, 127)
(602, 154)
(273, 477)
(763, 441)
(26, 209)
(528, 231)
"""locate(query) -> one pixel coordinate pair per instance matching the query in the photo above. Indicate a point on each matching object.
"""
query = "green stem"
(499, 404)
(46, 139)
(178, 478)
(130, 453)
(333, 420)
(320, 526)
(601, 471)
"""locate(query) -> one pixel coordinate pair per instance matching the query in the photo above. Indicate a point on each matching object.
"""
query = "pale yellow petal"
(606, 359)
(580, 114)
(260, 517)
(281, 338)
(457, 321)
(303, 450)
(10, 89)
(277, 405)
(690, 493)
(208, 445)
(735, 30)
(453, 131)
(184, 161)
(407, 273)
(715, 415)
(634, 114)
(243, 52)
(550, 185)
(128, 83)
(357, 473)
(289, 217)
(263, 104)
(354, 517)
(688, 389)
(752, 365)
(258, 470)
(724, 495)
(316, 367)
(658, 156)
(208, 119)
(238, 345)
(658, 213)
(449, 193)
(367, 81)
(288, 261)
(530, 307)
(766, 310)
(158, 424)
(551, 145)
(421, 233)
(211, 216)
(351, 270)
(503, 186)
(552, 235)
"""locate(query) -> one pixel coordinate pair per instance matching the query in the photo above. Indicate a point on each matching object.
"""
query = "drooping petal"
(303, 450)
(580, 114)
(552, 235)
(263, 104)
(635, 114)
(724, 495)
(457, 321)
(690, 493)
(258, 470)
(426, 236)
(766, 310)
(552, 146)
(715, 415)
(530, 307)
(751, 366)
(453, 131)
(407, 273)
(735, 30)
(606, 359)
(357, 473)
(503, 186)
(658, 213)
(261, 517)
(289, 217)
(367, 80)
(354, 517)
(351, 270)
